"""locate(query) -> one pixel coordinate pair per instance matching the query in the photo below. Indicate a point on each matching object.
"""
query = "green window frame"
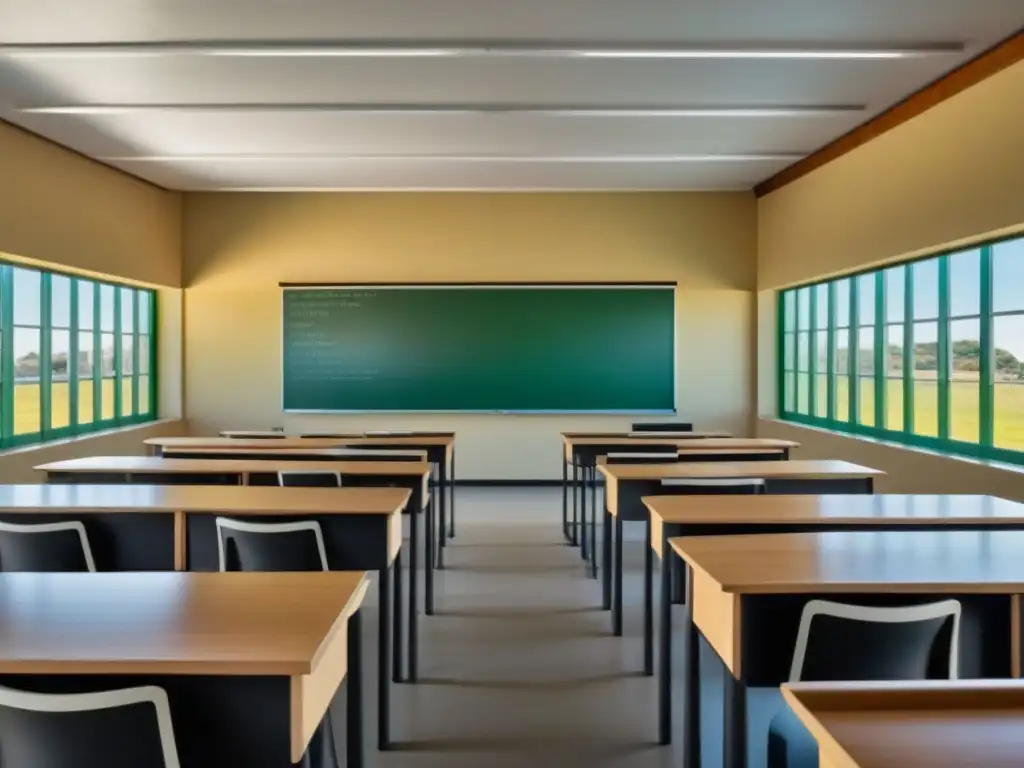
(77, 355)
(926, 353)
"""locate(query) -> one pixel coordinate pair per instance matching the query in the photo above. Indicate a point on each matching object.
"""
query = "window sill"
(90, 436)
(994, 464)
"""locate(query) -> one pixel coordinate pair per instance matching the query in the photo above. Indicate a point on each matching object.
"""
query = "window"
(927, 353)
(74, 355)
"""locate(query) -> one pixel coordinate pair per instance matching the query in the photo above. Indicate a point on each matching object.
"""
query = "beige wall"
(953, 174)
(237, 247)
(62, 210)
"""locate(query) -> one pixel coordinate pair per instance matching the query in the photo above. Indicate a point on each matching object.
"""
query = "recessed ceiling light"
(468, 158)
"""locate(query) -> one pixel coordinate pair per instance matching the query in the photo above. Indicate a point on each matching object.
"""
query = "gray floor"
(519, 667)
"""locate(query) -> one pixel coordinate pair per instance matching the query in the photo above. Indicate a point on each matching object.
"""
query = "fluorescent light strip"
(408, 109)
(464, 49)
(379, 158)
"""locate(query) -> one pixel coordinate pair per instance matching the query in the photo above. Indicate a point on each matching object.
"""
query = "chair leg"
(354, 751)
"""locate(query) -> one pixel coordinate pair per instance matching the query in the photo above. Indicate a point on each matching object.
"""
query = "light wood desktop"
(222, 631)
(172, 527)
(932, 724)
(741, 589)
(673, 516)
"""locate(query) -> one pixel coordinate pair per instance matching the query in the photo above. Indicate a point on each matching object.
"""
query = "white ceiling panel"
(196, 94)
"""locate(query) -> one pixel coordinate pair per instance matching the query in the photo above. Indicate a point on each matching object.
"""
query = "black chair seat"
(790, 744)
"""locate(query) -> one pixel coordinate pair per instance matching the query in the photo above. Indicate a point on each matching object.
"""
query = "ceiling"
(471, 94)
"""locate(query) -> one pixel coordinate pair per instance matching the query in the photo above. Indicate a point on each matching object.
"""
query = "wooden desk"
(229, 650)
(627, 484)
(439, 446)
(746, 595)
(933, 724)
(673, 516)
(172, 527)
(583, 451)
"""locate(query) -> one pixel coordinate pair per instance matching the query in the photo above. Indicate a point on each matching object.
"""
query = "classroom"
(300, 301)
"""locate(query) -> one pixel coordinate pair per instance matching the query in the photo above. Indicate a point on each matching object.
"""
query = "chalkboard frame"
(654, 284)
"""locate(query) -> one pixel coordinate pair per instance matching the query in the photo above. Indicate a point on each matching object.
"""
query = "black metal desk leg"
(414, 599)
(648, 602)
(451, 501)
(383, 659)
(443, 525)
(606, 560)
(430, 550)
(665, 643)
(565, 498)
(397, 621)
(437, 498)
(691, 682)
(734, 733)
(584, 542)
(617, 585)
(593, 522)
(575, 499)
(354, 694)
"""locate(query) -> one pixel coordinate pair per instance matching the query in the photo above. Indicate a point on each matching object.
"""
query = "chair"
(836, 641)
(663, 426)
(322, 479)
(45, 547)
(295, 546)
(106, 729)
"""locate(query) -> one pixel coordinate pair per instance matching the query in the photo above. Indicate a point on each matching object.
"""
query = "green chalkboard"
(477, 348)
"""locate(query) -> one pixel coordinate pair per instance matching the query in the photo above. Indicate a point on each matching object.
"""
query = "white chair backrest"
(90, 702)
(879, 614)
(70, 525)
(281, 476)
(227, 524)
(724, 482)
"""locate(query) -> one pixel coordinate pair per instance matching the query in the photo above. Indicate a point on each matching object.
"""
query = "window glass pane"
(1008, 340)
(127, 355)
(821, 396)
(127, 405)
(789, 392)
(964, 400)
(60, 301)
(144, 342)
(85, 402)
(27, 413)
(894, 382)
(85, 304)
(789, 353)
(894, 404)
(841, 356)
(27, 295)
(842, 398)
(803, 303)
(965, 283)
(821, 298)
(895, 294)
(821, 351)
(107, 354)
(866, 300)
(60, 394)
(144, 313)
(127, 309)
(803, 351)
(106, 307)
(926, 289)
(842, 303)
(107, 394)
(789, 310)
(866, 351)
(144, 395)
(1008, 276)
(866, 414)
(926, 396)
(803, 390)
